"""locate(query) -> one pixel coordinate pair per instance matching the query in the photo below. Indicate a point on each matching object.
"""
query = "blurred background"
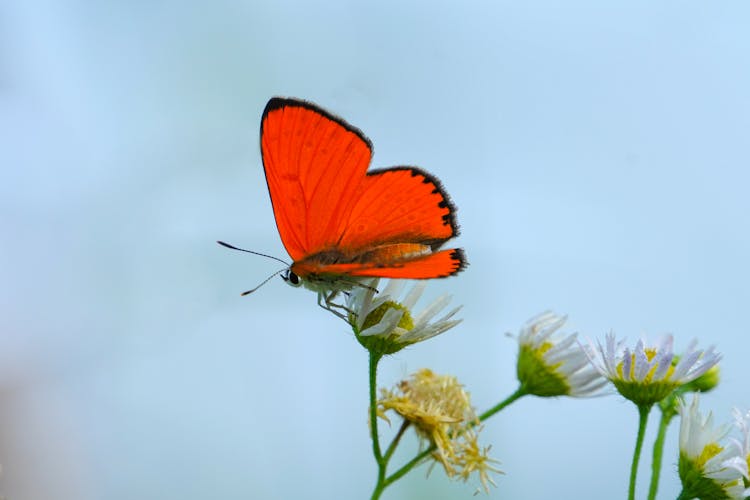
(597, 151)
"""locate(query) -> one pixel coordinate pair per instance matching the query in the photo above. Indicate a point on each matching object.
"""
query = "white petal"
(549, 326)
(685, 364)
(364, 308)
(628, 364)
(427, 314)
(666, 344)
(591, 354)
(664, 362)
(642, 365)
(565, 343)
(414, 294)
(609, 357)
(393, 289)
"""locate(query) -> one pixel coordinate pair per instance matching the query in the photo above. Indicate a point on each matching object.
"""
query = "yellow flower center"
(386, 342)
(536, 375)
(406, 322)
(709, 451)
(544, 348)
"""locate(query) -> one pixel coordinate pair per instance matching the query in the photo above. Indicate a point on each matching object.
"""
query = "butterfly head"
(291, 278)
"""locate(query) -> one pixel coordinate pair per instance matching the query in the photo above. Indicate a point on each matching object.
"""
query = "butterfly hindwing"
(430, 265)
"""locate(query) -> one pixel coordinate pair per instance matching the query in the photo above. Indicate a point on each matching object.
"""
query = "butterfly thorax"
(330, 284)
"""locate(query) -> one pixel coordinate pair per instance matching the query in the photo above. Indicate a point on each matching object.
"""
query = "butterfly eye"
(291, 278)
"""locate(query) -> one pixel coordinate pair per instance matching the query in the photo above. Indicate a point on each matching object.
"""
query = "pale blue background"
(598, 153)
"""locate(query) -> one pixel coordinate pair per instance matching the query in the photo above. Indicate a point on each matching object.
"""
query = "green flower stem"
(666, 417)
(409, 465)
(643, 411)
(380, 486)
(484, 416)
(685, 496)
(502, 404)
(394, 443)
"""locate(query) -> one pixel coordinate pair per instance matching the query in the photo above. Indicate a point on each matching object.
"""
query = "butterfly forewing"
(313, 167)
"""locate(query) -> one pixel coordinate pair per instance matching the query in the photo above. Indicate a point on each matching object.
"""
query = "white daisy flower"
(707, 467)
(649, 373)
(551, 363)
(742, 446)
(385, 323)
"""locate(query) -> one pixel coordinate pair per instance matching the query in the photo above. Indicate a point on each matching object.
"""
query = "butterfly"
(340, 222)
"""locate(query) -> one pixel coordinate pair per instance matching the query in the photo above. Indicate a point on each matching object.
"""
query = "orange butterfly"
(339, 222)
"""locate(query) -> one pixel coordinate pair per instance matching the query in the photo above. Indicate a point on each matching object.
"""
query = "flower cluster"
(550, 364)
(440, 410)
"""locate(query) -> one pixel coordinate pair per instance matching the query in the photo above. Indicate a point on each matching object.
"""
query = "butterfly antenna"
(264, 281)
(254, 253)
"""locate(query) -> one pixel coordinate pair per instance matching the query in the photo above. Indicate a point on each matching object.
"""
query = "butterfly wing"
(334, 217)
(314, 165)
(399, 204)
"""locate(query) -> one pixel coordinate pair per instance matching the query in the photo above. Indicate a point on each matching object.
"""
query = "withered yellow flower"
(439, 409)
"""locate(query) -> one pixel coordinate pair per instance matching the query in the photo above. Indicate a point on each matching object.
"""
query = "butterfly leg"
(325, 300)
